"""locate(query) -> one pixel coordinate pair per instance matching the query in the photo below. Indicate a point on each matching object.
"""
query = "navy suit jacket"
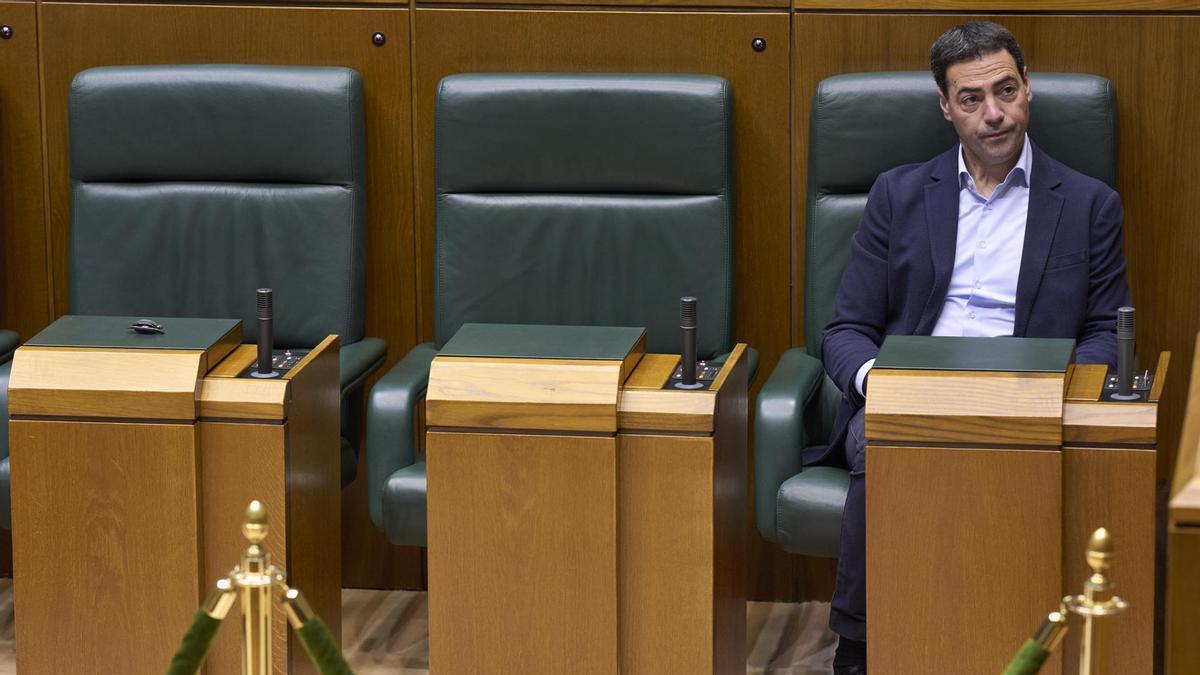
(1071, 281)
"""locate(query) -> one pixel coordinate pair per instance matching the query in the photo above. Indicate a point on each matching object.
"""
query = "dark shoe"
(850, 657)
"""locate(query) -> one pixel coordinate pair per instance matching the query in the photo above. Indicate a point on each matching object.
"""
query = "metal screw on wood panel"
(758, 44)
(378, 39)
(5, 32)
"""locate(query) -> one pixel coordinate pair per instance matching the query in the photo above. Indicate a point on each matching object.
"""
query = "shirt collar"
(1019, 175)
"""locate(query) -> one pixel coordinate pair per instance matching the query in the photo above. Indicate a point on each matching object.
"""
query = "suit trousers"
(848, 612)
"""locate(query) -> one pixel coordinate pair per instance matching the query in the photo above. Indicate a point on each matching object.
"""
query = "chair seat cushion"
(404, 506)
(809, 516)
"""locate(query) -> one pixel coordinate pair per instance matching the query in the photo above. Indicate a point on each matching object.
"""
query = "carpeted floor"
(388, 632)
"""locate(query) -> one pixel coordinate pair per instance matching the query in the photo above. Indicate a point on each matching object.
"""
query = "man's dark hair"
(971, 41)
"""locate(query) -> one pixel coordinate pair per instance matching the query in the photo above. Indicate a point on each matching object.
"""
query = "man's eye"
(969, 100)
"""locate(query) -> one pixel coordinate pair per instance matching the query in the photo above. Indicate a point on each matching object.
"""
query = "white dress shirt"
(982, 298)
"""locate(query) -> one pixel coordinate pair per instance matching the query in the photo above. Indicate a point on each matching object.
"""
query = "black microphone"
(687, 325)
(265, 339)
(1125, 355)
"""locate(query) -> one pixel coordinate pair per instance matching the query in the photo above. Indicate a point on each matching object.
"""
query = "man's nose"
(993, 114)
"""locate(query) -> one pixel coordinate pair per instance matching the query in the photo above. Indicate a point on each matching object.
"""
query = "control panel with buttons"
(1143, 382)
(705, 374)
(282, 360)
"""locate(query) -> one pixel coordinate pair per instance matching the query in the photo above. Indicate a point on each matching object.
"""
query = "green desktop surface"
(502, 340)
(1007, 354)
(114, 332)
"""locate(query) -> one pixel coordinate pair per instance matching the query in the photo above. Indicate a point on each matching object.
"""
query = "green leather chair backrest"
(866, 123)
(585, 199)
(194, 185)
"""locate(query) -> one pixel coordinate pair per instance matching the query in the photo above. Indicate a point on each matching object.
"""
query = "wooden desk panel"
(522, 566)
(941, 584)
(1112, 488)
(86, 586)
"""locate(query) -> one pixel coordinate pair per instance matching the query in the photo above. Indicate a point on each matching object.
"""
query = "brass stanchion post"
(254, 578)
(1096, 605)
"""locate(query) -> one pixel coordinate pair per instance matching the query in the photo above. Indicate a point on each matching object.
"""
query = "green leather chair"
(862, 125)
(564, 199)
(8, 344)
(192, 186)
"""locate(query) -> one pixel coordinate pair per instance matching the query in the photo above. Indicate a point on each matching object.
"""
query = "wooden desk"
(584, 520)
(983, 490)
(131, 469)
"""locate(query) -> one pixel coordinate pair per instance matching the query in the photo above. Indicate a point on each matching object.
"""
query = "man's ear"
(1028, 89)
(945, 105)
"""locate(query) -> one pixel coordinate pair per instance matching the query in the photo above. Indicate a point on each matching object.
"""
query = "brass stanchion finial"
(1097, 603)
(255, 526)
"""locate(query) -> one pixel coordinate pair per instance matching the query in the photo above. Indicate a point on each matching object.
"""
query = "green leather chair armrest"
(779, 435)
(391, 405)
(8, 344)
(358, 360)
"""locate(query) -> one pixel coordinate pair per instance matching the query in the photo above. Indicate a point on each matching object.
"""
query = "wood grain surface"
(1086, 382)
(537, 394)
(123, 574)
(25, 291)
(1110, 423)
(964, 556)
(1183, 599)
(965, 407)
(1115, 489)
(105, 383)
(522, 553)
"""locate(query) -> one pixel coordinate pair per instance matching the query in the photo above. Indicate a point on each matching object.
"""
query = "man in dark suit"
(991, 238)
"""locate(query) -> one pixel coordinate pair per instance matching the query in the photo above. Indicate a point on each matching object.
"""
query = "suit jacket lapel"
(941, 215)
(1041, 222)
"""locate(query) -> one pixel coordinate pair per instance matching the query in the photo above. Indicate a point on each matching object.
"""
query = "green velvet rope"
(1028, 661)
(194, 648)
(322, 650)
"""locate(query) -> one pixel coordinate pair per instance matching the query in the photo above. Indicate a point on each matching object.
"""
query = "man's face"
(988, 103)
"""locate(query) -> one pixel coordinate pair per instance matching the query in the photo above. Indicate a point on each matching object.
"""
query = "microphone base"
(266, 376)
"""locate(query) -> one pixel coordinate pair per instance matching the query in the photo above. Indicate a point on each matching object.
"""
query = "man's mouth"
(994, 136)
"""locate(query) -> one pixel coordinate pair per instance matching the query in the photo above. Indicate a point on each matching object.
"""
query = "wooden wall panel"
(79, 36)
(1152, 62)
(24, 286)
